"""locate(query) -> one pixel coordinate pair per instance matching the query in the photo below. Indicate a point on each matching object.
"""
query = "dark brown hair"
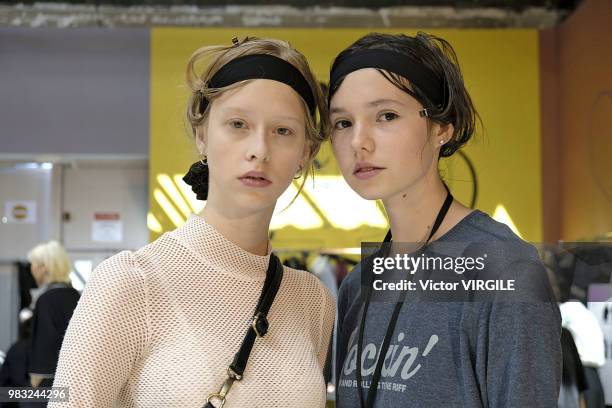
(437, 55)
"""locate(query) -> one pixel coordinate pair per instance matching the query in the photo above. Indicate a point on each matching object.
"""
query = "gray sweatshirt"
(463, 354)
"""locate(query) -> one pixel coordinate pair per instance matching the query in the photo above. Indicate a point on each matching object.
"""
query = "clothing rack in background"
(607, 237)
(331, 265)
(322, 251)
(347, 255)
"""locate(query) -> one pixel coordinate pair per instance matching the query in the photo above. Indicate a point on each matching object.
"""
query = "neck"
(412, 212)
(249, 232)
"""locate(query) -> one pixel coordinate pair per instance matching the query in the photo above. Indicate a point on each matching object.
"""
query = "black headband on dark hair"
(400, 64)
(261, 66)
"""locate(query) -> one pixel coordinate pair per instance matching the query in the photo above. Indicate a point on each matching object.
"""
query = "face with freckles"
(382, 144)
(255, 142)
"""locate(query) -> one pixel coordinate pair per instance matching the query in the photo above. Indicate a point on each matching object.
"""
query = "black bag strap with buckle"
(258, 328)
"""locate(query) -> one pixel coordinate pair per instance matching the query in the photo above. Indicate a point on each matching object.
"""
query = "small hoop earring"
(300, 175)
(203, 159)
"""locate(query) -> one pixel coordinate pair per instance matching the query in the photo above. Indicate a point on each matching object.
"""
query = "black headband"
(400, 64)
(261, 66)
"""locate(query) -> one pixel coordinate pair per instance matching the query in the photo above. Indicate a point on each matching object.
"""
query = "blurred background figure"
(54, 303)
(582, 338)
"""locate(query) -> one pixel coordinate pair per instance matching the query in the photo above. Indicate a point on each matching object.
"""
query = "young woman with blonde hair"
(50, 267)
(165, 325)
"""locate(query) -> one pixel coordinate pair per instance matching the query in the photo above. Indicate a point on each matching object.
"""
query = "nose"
(258, 146)
(362, 140)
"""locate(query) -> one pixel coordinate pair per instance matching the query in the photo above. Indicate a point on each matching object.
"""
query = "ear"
(444, 133)
(200, 138)
(305, 155)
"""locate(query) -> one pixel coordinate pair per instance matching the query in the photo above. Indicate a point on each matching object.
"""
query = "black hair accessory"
(423, 78)
(255, 66)
(197, 178)
(260, 66)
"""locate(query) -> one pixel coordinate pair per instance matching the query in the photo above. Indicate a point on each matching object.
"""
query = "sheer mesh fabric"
(158, 328)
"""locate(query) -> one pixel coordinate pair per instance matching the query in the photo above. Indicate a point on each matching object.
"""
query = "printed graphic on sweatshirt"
(402, 362)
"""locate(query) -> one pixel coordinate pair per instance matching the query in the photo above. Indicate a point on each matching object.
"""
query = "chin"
(368, 192)
(257, 200)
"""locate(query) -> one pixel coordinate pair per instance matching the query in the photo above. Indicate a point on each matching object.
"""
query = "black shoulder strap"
(258, 328)
(259, 324)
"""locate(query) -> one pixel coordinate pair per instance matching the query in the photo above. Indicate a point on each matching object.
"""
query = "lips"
(364, 171)
(255, 179)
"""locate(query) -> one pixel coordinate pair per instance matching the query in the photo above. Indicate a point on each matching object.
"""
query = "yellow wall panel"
(501, 71)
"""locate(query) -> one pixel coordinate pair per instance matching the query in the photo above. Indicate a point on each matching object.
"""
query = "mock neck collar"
(214, 248)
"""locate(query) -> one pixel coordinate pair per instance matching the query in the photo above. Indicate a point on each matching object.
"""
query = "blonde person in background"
(50, 267)
(161, 326)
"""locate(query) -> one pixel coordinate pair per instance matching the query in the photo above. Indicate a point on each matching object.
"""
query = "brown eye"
(342, 124)
(284, 131)
(237, 124)
(388, 116)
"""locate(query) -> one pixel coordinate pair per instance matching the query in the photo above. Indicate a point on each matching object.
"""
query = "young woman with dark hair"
(397, 105)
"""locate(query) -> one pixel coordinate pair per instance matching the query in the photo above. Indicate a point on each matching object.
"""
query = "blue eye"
(342, 124)
(388, 116)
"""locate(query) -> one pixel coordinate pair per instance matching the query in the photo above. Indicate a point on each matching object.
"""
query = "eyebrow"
(383, 101)
(235, 109)
(291, 119)
(371, 104)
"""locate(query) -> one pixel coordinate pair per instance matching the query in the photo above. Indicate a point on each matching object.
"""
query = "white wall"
(114, 187)
(79, 189)
(27, 184)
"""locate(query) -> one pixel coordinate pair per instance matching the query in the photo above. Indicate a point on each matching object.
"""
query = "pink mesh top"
(158, 328)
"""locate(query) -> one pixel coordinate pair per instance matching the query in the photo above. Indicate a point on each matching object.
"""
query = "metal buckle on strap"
(215, 396)
(260, 324)
(232, 374)
(225, 388)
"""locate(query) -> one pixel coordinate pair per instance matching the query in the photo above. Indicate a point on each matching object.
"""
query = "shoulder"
(305, 291)
(119, 276)
(156, 252)
(144, 261)
(122, 265)
(506, 256)
(308, 284)
(484, 228)
(64, 294)
(484, 234)
(317, 302)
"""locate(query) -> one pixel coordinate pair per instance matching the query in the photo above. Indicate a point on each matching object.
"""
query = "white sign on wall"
(107, 227)
(20, 212)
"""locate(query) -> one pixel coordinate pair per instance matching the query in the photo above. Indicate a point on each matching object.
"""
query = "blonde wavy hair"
(54, 257)
(206, 61)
